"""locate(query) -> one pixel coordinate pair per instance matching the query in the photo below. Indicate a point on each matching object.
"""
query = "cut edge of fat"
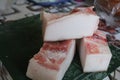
(48, 17)
(72, 32)
(97, 66)
(65, 65)
(36, 71)
(94, 62)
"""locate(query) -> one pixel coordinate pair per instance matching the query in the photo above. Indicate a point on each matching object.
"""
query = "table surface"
(21, 39)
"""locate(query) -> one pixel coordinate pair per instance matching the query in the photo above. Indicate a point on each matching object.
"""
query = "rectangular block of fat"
(77, 24)
(52, 61)
(95, 54)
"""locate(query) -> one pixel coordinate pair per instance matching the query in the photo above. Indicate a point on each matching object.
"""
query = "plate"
(20, 40)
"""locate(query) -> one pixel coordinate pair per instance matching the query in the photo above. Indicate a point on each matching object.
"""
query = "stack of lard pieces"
(59, 34)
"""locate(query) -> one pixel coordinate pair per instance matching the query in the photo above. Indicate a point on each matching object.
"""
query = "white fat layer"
(95, 62)
(65, 65)
(73, 27)
(37, 72)
(55, 55)
(103, 47)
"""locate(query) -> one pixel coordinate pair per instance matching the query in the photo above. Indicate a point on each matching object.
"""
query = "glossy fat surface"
(96, 42)
(52, 54)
